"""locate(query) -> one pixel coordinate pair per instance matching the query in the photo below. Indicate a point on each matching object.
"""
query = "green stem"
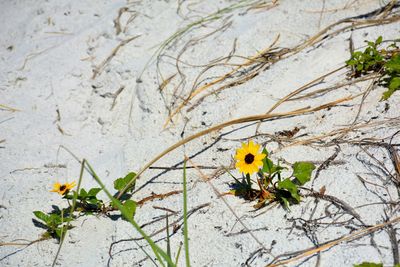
(248, 180)
(156, 249)
(63, 235)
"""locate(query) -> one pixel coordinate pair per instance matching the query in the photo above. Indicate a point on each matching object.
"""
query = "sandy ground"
(77, 75)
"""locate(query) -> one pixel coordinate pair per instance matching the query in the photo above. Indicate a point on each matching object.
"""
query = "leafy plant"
(371, 264)
(130, 208)
(87, 201)
(55, 224)
(121, 183)
(392, 81)
(368, 264)
(126, 211)
(370, 59)
(271, 185)
(386, 62)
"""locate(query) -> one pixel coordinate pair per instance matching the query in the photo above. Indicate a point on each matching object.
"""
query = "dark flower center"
(62, 188)
(249, 158)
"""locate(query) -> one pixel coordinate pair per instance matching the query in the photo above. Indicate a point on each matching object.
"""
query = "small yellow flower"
(248, 159)
(62, 189)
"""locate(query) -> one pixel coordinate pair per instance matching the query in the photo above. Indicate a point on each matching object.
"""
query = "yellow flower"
(248, 159)
(62, 189)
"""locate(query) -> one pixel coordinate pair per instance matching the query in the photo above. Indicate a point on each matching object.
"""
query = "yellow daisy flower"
(62, 189)
(248, 159)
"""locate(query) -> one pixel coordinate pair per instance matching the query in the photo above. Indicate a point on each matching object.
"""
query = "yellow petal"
(240, 155)
(245, 149)
(56, 187)
(246, 169)
(238, 165)
(259, 157)
(258, 164)
(253, 148)
(253, 168)
(70, 185)
(241, 166)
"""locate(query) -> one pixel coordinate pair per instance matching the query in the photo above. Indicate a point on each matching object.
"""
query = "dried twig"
(98, 69)
(158, 196)
(311, 251)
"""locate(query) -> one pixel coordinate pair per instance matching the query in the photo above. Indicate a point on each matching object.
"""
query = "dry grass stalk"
(299, 90)
(319, 92)
(358, 234)
(158, 196)
(341, 132)
(25, 244)
(199, 90)
(166, 82)
(117, 23)
(396, 162)
(97, 70)
(4, 107)
(273, 57)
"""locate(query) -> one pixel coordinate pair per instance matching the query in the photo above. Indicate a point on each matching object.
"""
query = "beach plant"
(273, 185)
(372, 264)
(81, 202)
(56, 224)
(371, 59)
(384, 61)
(85, 202)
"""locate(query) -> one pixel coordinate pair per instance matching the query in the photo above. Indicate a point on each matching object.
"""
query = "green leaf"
(379, 40)
(285, 203)
(54, 219)
(83, 193)
(130, 208)
(66, 219)
(94, 201)
(288, 185)
(387, 94)
(393, 65)
(94, 191)
(368, 264)
(121, 183)
(394, 83)
(41, 216)
(71, 195)
(59, 232)
(268, 166)
(265, 152)
(302, 171)
(351, 62)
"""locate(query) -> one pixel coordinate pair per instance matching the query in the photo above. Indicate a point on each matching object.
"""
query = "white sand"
(48, 51)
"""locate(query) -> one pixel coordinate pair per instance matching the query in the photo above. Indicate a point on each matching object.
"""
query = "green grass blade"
(185, 223)
(63, 235)
(178, 254)
(168, 240)
(159, 253)
(145, 252)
